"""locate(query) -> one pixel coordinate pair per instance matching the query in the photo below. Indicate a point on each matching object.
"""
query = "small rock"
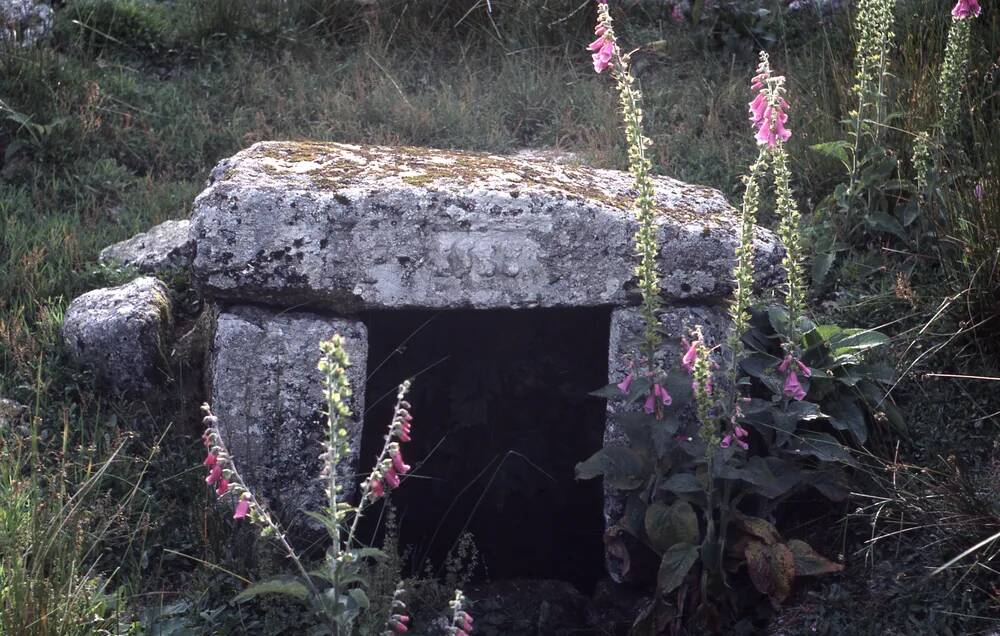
(11, 413)
(164, 246)
(268, 395)
(24, 22)
(120, 333)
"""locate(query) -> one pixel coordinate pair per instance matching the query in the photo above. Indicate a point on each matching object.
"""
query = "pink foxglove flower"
(966, 8)
(376, 488)
(625, 384)
(242, 508)
(603, 49)
(767, 110)
(690, 355)
(803, 369)
(793, 388)
(465, 621)
(979, 192)
(391, 478)
(785, 363)
(727, 440)
(398, 464)
(661, 393)
(214, 475)
(222, 487)
(399, 622)
(210, 460)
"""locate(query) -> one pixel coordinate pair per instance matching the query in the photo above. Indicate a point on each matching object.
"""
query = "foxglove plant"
(337, 592)
(701, 490)
(461, 620)
(956, 58)
(608, 55)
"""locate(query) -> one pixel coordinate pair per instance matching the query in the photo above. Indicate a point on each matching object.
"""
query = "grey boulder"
(121, 333)
(24, 22)
(359, 228)
(165, 246)
(268, 395)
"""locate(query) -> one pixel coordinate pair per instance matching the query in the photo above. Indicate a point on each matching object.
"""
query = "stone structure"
(24, 22)
(268, 395)
(294, 241)
(165, 246)
(121, 333)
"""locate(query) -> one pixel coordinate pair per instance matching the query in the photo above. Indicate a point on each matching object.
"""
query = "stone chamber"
(504, 287)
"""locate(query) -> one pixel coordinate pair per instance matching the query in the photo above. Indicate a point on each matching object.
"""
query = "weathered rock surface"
(354, 228)
(24, 22)
(626, 328)
(267, 393)
(11, 414)
(120, 333)
(164, 246)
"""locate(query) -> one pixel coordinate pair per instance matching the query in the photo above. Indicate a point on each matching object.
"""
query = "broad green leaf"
(286, 585)
(622, 467)
(846, 415)
(808, 562)
(771, 568)
(778, 317)
(820, 445)
(610, 392)
(358, 596)
(678, 385)
(674, 566)
(591, 467)
(760, 528)
(831, 483)
(682, 483)
(858, 340)
(670, 525)
(821, 266)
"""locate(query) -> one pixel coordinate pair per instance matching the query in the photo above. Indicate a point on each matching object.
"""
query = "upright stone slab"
(267, 393)
(368, 228)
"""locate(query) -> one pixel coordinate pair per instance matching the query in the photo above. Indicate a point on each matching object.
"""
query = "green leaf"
(808, 562)
(682, 483)
(771, 568)
(670, 525)
(846, 415)
(622, 467)
(678, 385)
(286, 584)
(760, 528)
(830, 482)
(358, 596)
(778, 317)
(674, 566)
(821, 266)
(610, 392)
(835, 149)
(820, 445)
(857, 340)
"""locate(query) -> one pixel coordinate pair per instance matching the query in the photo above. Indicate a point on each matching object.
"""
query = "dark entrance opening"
(501, 416)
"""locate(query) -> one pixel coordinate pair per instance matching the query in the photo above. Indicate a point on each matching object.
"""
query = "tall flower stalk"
(956, 59)
(607, 54)
(875, 33)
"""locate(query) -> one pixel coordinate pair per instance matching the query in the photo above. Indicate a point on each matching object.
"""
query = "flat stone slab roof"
(352, 228)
